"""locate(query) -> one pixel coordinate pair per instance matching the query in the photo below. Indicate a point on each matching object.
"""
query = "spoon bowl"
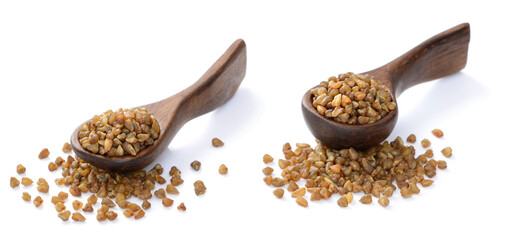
(212, 90)
(437, 57)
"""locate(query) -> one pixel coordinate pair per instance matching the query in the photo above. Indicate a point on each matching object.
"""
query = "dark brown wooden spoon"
(439, 56)
(212, 90)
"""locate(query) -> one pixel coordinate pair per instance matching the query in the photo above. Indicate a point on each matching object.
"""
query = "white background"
(61, 62)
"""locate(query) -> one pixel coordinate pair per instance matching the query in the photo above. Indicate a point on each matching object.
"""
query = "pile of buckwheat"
(108, 192)
(375, 172)
(352, 99)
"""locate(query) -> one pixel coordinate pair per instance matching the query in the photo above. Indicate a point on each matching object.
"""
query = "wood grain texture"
(212, 90)
(439, 56)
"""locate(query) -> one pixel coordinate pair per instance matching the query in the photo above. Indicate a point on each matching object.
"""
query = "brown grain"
(217, 142)
(195, 165)
(223, 170)
(66, 147)
(267, 159)
(167, 202)
(411, 139)
(200, 188)
(78, 217)
(21, 169)
(145, 204)
(426, 143)
(383, 201)
(447, 152)
(267, 171)
(26, 197)
(438, 133)
(170, 189)
(64, 215)
(279, 193)
(59, 207)
(44, 153)
(299, 192)
(76, 204)
(88, 208)
(26, 181)
(342, 201)
(181, 207)
(52, 166)
(37, 201)
(366, 199)
(14, 182)
(139, 214)
(302, 202)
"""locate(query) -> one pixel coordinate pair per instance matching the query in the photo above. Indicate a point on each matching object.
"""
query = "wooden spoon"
(439, 56)
(212, 90)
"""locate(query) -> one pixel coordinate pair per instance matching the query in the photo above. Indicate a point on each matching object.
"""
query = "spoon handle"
(216, 86)
(439, 56)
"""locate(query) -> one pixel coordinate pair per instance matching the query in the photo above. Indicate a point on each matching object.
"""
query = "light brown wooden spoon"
(439, 56)
(212, 90)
